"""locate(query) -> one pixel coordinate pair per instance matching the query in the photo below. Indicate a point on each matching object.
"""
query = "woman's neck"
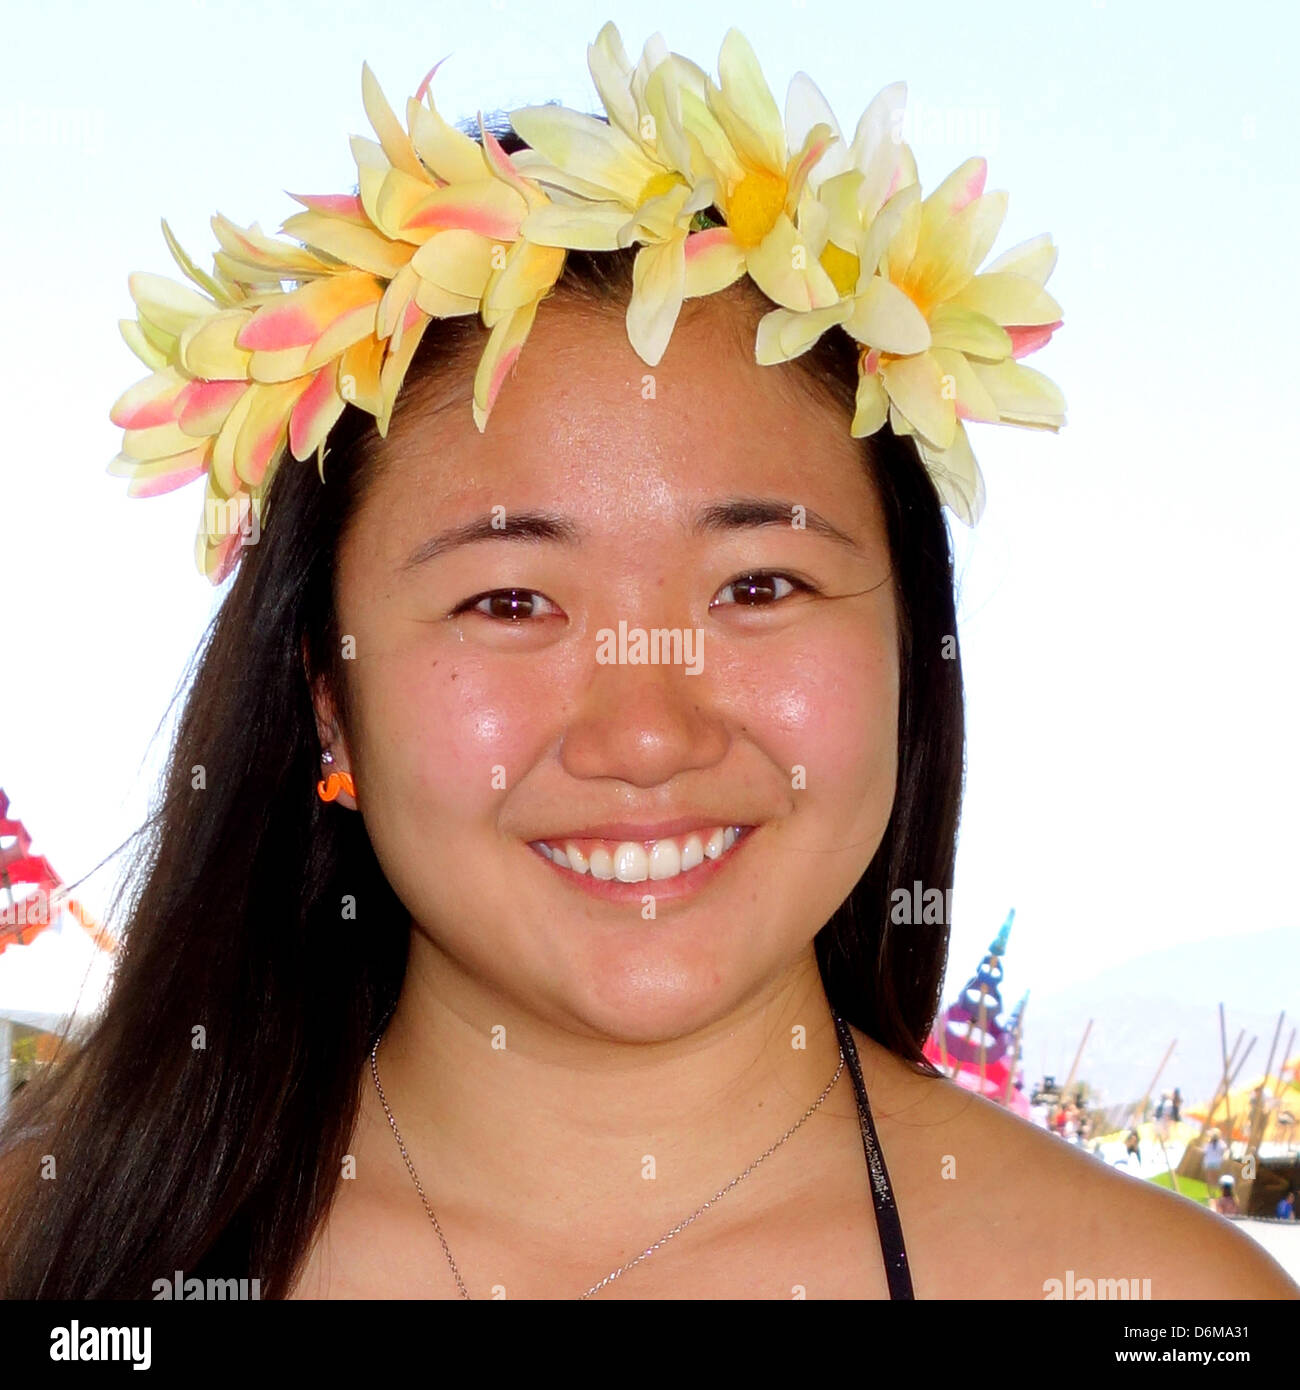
(507, 1113)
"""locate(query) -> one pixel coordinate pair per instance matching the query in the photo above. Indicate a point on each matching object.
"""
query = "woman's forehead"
(581, 416)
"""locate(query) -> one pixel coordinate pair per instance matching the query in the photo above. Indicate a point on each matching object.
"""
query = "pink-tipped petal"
(502, 351)
(301, 318)
(265, 428)
(1027, 340)
(318, 408)
(818, 141)
(501, 162)
(204, 405)
(428, 77)
(971, 185)
(488, 208)
(394, 371)
(153, 401)
(395, 141)
(166, 475)
(278, 326)
(343, 205)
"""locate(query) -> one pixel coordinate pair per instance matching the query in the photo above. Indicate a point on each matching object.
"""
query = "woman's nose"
(642, 720)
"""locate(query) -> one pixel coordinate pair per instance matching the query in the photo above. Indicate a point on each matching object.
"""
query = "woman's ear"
(332, 739)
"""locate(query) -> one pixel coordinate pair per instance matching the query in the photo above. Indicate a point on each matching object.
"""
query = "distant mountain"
(1140, 1006)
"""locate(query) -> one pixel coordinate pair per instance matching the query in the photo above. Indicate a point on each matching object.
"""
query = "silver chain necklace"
(645, 1254)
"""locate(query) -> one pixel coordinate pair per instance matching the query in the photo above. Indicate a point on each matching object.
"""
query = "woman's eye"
(760, 590)
(507, 605)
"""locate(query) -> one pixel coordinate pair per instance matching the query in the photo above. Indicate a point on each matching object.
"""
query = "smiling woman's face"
(487, 724)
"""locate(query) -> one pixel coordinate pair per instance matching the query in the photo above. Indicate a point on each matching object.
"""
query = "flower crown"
(834, 232)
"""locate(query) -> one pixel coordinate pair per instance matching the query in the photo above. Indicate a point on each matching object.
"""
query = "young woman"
(585, 984)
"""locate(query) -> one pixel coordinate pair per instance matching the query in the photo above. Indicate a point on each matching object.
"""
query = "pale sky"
(1127, 602)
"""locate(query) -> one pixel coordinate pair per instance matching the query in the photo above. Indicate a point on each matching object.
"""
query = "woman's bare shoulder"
(965, 1169)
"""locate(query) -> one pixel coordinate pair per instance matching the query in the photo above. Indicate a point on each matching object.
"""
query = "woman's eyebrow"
(492, 526)
(742, 513)
(734, 514)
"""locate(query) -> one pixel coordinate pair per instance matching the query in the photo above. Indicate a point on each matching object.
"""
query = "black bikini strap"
(888, 1226)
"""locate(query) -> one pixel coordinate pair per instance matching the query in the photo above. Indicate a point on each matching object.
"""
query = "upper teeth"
(631, 861)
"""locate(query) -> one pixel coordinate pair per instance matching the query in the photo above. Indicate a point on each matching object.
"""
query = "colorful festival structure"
(23, 916)
(55, 959)
(972, 1044)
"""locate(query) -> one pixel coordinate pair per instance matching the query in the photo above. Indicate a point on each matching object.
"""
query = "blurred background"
(1127, 602)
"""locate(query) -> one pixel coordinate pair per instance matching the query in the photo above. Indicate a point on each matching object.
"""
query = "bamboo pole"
(1078, 1057)
(1232, 1081)
(983, 1038)
(1282, 1085)
(1236, 1071)
(1223, 1042)
(1257, 1100)
(1228, 1071)
(1272, 1051)
(1284, 1059)
(1222, 1088)
(1142, 1104)
(1222, 1095)
(1164, 1153)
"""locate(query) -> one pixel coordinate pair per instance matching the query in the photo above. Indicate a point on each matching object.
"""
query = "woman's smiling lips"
(622, 862)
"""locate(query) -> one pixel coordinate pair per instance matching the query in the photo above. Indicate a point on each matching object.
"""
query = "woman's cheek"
(824, 710)
(448, 735)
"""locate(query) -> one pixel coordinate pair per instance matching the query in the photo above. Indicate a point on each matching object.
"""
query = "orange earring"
(336, 782)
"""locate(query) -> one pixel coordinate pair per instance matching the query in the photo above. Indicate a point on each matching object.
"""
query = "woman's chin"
(656, 1003)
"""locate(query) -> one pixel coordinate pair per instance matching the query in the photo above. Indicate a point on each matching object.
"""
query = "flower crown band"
(833, 231)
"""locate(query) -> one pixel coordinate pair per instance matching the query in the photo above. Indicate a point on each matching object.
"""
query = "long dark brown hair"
(203, 1124)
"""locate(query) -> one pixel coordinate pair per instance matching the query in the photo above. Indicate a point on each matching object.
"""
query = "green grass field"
(1187, 1187)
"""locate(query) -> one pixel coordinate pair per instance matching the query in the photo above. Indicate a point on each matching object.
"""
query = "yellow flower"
(514, 289)
(851, 182)
(939, 340)
(457, 205)
(247, 368)
(626, 181)
(738, 139)
(436, 193)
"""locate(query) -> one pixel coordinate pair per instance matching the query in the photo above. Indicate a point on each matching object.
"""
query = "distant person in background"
(1133, 1146)
(1164, 1116)
(1226, 1203)
(1286, 1208)
(1212, 1158)
(1176, 1106)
